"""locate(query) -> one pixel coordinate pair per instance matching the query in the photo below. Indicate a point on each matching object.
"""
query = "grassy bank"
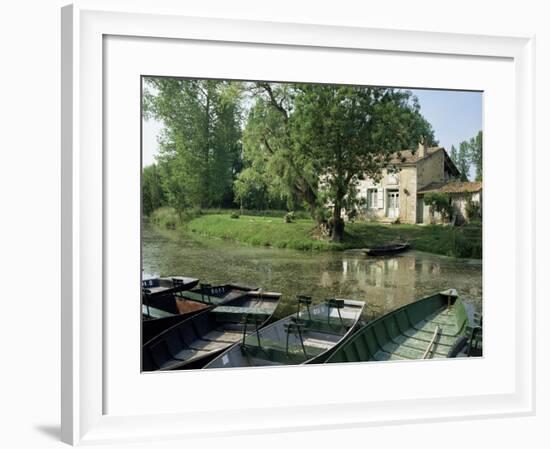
(260, 231)
(273, 231)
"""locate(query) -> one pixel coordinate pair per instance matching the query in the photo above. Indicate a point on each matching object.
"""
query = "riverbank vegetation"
(259, 145)
(301, 232)
(279, 164)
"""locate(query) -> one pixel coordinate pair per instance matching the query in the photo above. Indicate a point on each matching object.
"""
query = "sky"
(455, 116)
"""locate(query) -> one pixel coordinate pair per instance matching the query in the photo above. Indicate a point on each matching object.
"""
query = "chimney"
(422, 147)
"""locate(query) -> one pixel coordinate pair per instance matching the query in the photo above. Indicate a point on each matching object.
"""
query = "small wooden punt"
(215, 295)
(387, 250)
(197, 340)
(183, 302)
(155, 321)
(159, 293)
(308, 336)
(162, 312)
(160, 286)
(432, 327)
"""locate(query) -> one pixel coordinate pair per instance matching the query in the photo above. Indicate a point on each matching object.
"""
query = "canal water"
(384, 283)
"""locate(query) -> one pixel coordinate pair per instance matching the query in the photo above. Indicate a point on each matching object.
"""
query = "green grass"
(455, 242)
(300, 235)
(260, 231)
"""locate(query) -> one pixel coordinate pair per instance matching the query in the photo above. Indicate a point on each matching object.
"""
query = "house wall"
(410, 179)
(407, 195)
(430, 169)
(458, 201)
(404, 181)
(459, 204)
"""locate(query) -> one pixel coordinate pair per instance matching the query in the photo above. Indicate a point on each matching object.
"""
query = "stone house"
(399, 195)
(460, 193)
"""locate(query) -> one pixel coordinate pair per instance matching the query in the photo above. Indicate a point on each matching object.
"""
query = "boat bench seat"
(275, 351)
(243, 310)
(195, 296)
(322, 325)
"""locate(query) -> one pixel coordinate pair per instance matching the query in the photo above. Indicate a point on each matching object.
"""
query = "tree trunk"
(338, 223)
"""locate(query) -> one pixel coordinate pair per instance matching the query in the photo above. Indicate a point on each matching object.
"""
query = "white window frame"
(372, 198)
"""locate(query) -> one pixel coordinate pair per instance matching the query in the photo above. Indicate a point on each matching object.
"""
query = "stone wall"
(458, 201)
(403, 181)
(430, 169)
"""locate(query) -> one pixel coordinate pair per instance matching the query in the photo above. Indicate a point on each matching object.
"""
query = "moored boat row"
(231, 326)
(197, 340)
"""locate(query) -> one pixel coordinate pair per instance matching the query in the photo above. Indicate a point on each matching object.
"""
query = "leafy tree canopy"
(314, 142)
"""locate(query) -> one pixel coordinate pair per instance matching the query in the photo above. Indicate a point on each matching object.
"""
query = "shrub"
(234, 215)
(289, 217)
(165, 217)
(473, 210)
(439, 202)
(467, 243)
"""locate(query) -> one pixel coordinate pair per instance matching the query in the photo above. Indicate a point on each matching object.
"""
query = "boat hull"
(320, 337)
(387, 250)
(427, 328)
(195, 341)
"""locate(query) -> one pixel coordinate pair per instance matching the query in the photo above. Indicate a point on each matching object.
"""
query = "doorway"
(393, 203)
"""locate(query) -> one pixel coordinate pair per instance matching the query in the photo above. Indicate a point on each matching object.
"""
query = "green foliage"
(473, 210)
(475, 147)
(201, 142)
(290, 217)
(302, 235)
(470, 154)
(463, 163)
(467, 242)
(454, 155)
(234, 215)
(300, 146)
(311, 143)
(152, 193)
(260, 231)
(165, 217)
(439, 202)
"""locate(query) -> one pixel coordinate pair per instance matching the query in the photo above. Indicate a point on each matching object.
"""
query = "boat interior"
(295, 339)
(428, 328)
(208, 333)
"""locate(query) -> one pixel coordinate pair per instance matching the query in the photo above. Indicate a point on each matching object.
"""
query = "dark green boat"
(433, 327)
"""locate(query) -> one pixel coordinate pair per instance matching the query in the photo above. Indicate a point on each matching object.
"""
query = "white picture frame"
(85, 248)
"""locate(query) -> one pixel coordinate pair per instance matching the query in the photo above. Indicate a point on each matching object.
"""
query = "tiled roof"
(452, 187)
(408, 157)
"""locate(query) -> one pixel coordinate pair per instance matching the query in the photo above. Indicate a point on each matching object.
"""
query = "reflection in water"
(385, 283)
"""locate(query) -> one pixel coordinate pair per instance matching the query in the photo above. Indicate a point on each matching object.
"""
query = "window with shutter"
(380, 198)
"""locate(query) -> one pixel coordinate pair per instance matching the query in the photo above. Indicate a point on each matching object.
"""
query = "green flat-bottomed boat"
(308, 336)
(432, 327)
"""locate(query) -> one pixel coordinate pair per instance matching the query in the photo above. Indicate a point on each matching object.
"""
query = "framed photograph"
(261, 221)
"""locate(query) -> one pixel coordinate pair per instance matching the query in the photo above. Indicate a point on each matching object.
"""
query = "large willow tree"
(312, 143)
(200, 144)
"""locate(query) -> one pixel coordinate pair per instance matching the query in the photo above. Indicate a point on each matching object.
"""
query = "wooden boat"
(387, 250)
(197, 340)
(171, 309)
(160, 286)
(309, 336)
(159, 292)
(432, 327)
(214, 295)
(155, 321)
(185, 301)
